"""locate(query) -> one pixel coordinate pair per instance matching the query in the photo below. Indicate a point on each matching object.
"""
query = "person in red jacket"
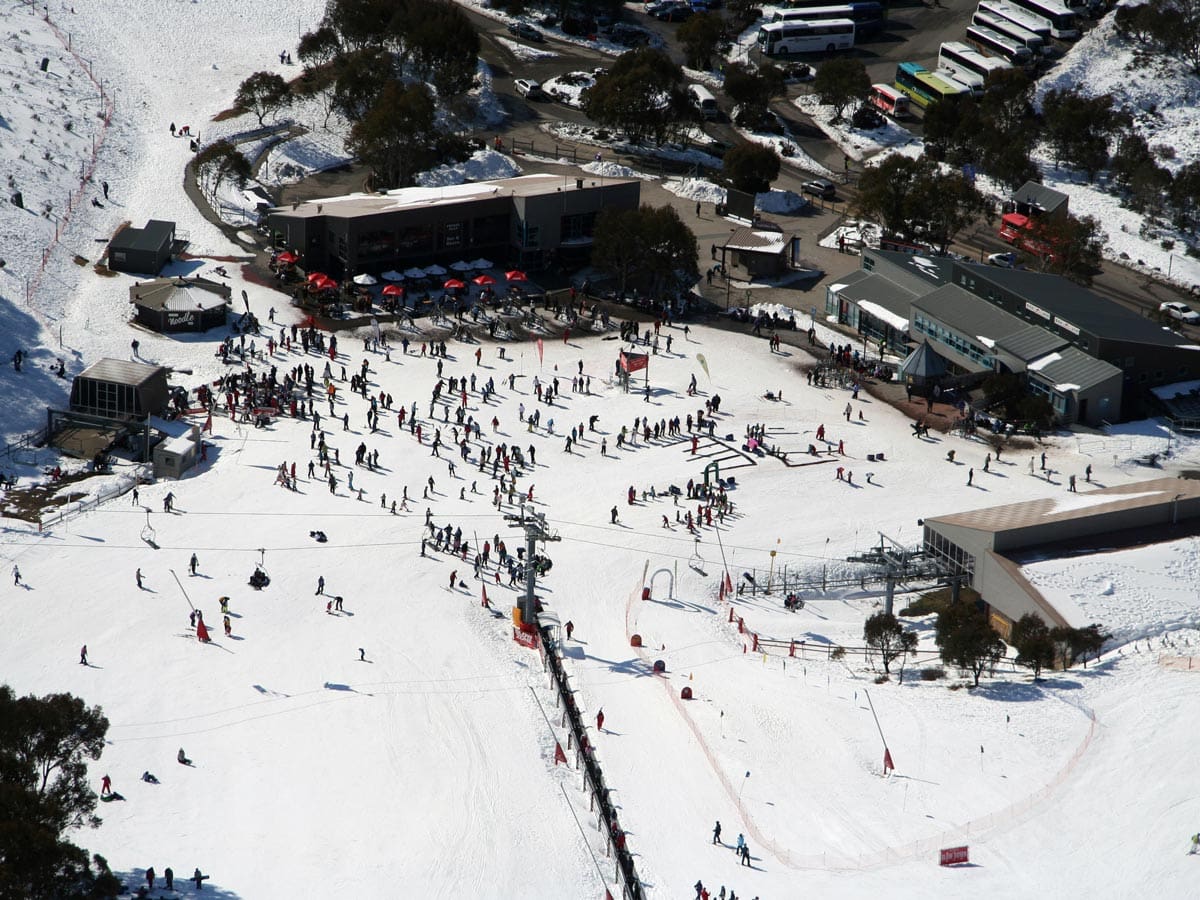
(600, 720)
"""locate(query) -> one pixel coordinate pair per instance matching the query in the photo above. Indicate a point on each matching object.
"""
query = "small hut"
(180, 304)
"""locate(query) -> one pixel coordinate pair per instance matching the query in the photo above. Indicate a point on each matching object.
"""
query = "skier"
(169, 875)
(83, 655)
(138, 575)
(717, 832)
(1195, 844)
(741, 842)
(228, 627)
(320, 585)
(182, 757)
(600, 720)
(362, 655)
(570, 626)
(194, 564)
(105, 786)
(16, 573)
(614, 515)
(745, 854)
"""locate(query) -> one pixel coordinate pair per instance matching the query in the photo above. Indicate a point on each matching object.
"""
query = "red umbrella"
(393, 290)
(287, 257)
(316, 276)
(326, 284)
(453, 283)
(483, 280)
(516, 275)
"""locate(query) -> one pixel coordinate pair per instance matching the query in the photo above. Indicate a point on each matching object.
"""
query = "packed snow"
(428, 763)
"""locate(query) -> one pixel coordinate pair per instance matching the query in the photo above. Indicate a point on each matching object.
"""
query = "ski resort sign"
(953, 856)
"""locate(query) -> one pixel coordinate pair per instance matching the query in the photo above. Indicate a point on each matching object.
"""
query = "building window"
(452, 235)
(868, 263)
(488, 230)
(415, 239)
(578, 227)
(530, 235)
(376, 245)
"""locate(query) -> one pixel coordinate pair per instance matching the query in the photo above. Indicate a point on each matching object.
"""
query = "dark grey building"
(1036, 201)
(525, 222)
(1088, 355)
(142, 250)
(180, 304)
(116, 389)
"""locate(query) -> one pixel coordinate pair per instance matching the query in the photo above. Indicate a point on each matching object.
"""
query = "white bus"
(806, 37)
(702, 98)
(868, 16)
(1060, 19)
(889, 101)
(959, 57)
(1018, 16)
(993, 43)
(1011, 30)
(971, 84)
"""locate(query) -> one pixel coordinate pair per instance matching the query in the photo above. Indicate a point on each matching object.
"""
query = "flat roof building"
(528, 222)
(985, 544)
(142, 250)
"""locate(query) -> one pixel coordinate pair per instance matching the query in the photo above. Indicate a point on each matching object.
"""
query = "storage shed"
(761, 252)
(116, 389)
(145, 250)
(178, 450)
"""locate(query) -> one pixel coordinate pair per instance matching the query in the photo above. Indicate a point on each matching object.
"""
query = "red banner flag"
(559, 756)
(888, 765)
(728, 584)
(208, 424)
(484, 601)
(541, 350)
(634, 362)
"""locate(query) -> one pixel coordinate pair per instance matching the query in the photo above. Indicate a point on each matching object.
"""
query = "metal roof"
(755, 240)
(1044, 198)
(1068, 506)
(360, 204)
(1080, 307)
(1031, 343)
(969, 315)
(879, 290)
(149, 239)
(1070, 369)
(916, 272)
(120, 371)
(180, 294)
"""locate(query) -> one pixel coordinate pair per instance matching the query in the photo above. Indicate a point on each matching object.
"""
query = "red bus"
(889, 101)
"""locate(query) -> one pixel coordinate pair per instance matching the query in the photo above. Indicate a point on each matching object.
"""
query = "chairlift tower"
(536, 530)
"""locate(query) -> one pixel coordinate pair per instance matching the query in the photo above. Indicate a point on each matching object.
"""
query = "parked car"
(675, 13)
(1004, 260)
(1180, 311)
(794, 73)
(529, 89)
(820, 187)
(632, 36)
(526, 31)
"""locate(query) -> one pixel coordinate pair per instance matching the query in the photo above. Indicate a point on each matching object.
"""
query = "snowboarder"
(362, 655)
(169, 875)
(570, 626)
(614, 515)
(320, 585)
(717, 832)
(194, 564)
(600, 720)
(198, 878)
(83, 655)
(149, 778)
(16, 573)
(138, 575)
(1195, 844)
(745, 854)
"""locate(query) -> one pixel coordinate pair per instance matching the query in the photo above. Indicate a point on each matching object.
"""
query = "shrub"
(933, 673)
(881, 679)
(838, 653)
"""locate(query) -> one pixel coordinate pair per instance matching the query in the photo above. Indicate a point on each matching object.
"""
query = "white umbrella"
(365, 279)
(435, 269)
(481, 263)
(461, 266)
(414, 273)
(393, 276)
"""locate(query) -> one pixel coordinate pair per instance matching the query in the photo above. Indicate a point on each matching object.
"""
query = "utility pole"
(534, 524)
